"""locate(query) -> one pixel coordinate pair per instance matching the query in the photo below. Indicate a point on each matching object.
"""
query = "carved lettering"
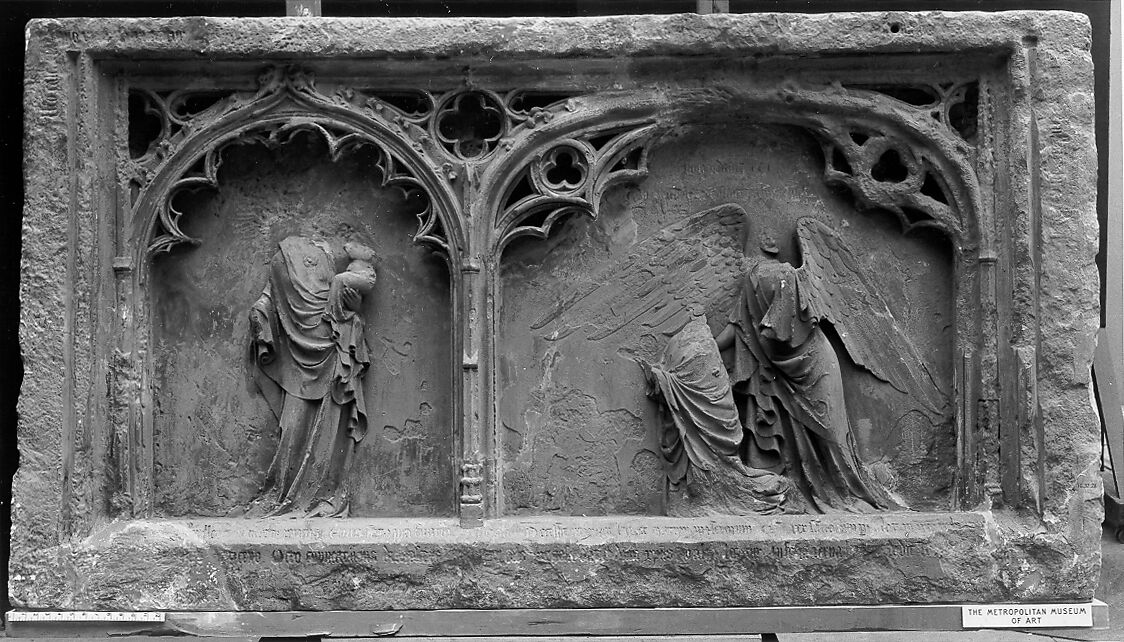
(749, 552)
(49, 106)
(287, 556)
(241, 557)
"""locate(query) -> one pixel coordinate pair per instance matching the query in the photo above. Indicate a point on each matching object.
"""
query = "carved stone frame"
(94, 216)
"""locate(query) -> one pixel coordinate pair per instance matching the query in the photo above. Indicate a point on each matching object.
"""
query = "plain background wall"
(1105, 16)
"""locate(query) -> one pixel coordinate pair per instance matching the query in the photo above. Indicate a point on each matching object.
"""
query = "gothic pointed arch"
(917, 163)
(563, 162)
(194, 129)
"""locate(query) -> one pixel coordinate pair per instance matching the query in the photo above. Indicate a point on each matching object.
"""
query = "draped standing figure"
(779, 407)
(309, 360)
(789, 391)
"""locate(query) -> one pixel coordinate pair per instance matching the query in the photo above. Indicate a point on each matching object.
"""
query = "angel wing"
(688, 268)
(833, 287)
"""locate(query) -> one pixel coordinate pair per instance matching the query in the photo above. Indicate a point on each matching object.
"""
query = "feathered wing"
(833, 287)
(688, 268)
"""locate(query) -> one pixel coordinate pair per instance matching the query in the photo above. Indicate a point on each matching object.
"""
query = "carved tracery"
(570, 176)
(339, 141)
(953, 104)
(885, 173)
(528, 159)
(887, 153)
(194, 128)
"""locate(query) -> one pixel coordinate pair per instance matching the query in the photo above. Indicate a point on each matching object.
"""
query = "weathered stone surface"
(580, 563)
(551, 201)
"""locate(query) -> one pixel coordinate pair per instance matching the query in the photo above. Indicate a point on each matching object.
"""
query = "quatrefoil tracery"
(568, 173)
(446, 131)
(469, 124)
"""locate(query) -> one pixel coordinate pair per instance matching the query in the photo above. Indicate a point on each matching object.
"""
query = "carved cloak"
(701, 441)
(789, 387)
(310, 356)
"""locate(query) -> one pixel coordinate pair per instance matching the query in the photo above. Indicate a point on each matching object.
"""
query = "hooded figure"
(701, 435)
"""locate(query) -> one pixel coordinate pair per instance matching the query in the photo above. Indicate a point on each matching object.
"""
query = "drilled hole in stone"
(933, 190)
(889, 168)
(145, 126)
(895, 27)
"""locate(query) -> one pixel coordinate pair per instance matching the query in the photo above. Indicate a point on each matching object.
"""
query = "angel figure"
(309, 360)
(786, 377)
(753, 420)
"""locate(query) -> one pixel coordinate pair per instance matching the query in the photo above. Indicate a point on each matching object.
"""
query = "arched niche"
(574, 432)
(223, 192)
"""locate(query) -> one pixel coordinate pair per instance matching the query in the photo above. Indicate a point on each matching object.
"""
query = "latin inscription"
(700, 184)
(578, 533)
(749, 552)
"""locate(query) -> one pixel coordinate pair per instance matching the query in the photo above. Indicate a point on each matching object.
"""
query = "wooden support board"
(451, 624)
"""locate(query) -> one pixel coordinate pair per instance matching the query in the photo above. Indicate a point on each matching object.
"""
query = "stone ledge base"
(592, 625)
(578, 562)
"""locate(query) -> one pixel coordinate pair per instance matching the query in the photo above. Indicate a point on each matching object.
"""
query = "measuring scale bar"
(86, 616)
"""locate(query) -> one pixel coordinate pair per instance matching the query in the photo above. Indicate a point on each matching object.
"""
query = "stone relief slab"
(733, 310)
(213, 406)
